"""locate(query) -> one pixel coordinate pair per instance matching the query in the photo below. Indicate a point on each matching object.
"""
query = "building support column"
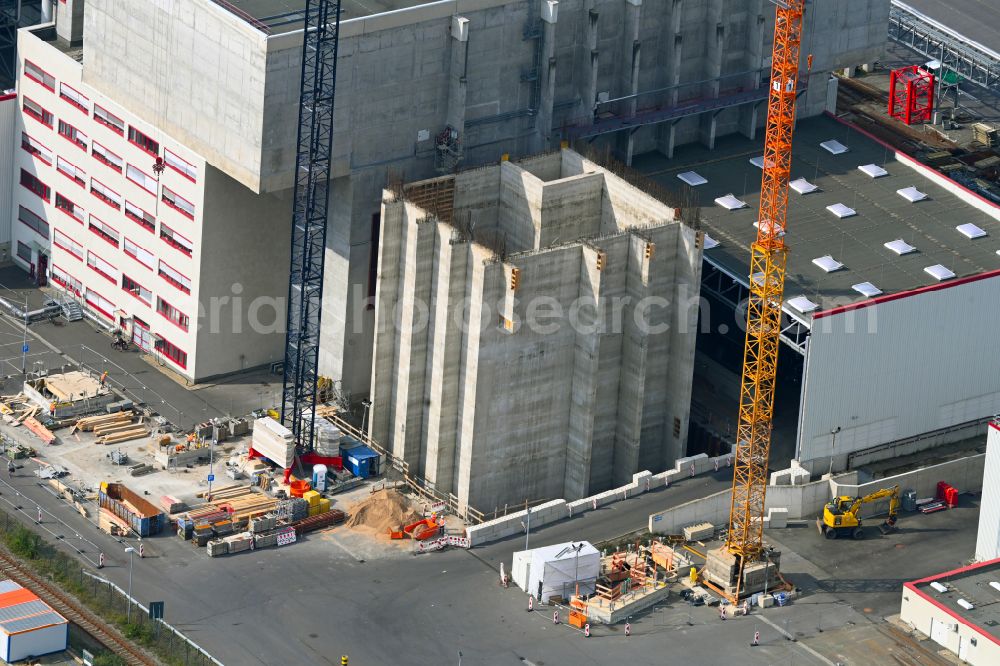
(543, 121)
(457, 82)
(666, 133)
(629, 74)
(715, 42)
(591, 64)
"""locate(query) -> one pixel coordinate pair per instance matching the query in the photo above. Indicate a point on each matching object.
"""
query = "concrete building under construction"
(212, 88)
(535, 330)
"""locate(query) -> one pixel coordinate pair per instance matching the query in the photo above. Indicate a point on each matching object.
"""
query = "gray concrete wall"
(244, 278)
(230, 93)
(188, 67)
(500, 412)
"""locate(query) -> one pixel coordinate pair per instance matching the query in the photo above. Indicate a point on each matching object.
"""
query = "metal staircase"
(71, 310)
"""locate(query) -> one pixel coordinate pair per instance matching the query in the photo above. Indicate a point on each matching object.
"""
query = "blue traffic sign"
(24, 348)
(211, 477)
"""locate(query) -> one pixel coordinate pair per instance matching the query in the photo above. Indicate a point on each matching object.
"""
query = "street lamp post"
(24, 338)
(364, 418)
(128, 613)
(833, 445)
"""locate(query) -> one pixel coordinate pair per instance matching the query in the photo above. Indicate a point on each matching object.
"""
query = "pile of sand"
(384, 510)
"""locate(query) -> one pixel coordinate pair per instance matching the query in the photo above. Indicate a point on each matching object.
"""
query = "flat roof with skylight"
(860, 223)
(971, 594)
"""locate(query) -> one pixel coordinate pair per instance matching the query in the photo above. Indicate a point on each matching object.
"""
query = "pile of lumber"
(103, 421)
(241, 501)
(112, 428)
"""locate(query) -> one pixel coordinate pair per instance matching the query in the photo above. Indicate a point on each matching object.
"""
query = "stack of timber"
(112, 428)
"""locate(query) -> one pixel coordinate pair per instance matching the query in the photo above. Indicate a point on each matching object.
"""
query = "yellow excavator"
(840, 515)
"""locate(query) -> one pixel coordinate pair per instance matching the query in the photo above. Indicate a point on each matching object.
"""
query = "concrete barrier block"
(644, 474)
(781, 477)
(777, 518)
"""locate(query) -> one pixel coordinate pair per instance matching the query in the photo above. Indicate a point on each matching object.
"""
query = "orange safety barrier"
(577, 619)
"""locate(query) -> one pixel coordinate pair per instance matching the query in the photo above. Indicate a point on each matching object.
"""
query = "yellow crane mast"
(767, 284)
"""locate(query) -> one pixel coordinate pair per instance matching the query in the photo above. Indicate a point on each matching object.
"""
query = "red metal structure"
(911, 94)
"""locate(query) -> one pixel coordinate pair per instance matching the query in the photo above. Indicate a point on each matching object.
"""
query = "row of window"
(105, 307)
(129, 284)
(105, 156)
(106, 118)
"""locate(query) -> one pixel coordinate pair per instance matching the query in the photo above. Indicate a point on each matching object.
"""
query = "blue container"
(360, 460)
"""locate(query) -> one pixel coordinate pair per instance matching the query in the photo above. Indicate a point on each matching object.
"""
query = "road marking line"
(797, 642)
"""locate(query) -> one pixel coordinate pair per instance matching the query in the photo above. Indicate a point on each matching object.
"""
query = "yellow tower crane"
(745, 540)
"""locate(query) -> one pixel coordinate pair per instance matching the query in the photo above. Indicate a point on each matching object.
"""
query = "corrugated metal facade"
(901, 368)
(988, 540)
(8, 120)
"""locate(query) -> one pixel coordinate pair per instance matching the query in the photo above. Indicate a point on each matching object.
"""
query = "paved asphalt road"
(52, 345)
(979, 20)
(312, 602)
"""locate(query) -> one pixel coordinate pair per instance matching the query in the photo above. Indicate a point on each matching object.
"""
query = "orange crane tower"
(745, 539)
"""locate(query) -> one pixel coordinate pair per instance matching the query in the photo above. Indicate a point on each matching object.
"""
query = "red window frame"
(114, 128)
(171, 351)
(58, 279)
(175, 196)
(135, 294)
(148, 225)
(172, 314)
(104, 235)
(37, 222)
(168, 152)
(94, 145)
(60, 198)
(76, 178)
(171, 280)
(167, 236)
(141, 185)
(72, 139)
(98, 270)
(103, 197)
(36, 79)
(29, 181)
(72, 101)
(144, 143)
(98, 308)
(55, 241)
(135, 256)
(46, 118)
(26, 141)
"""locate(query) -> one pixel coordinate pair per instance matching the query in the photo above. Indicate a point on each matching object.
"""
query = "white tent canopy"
(556, 570)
